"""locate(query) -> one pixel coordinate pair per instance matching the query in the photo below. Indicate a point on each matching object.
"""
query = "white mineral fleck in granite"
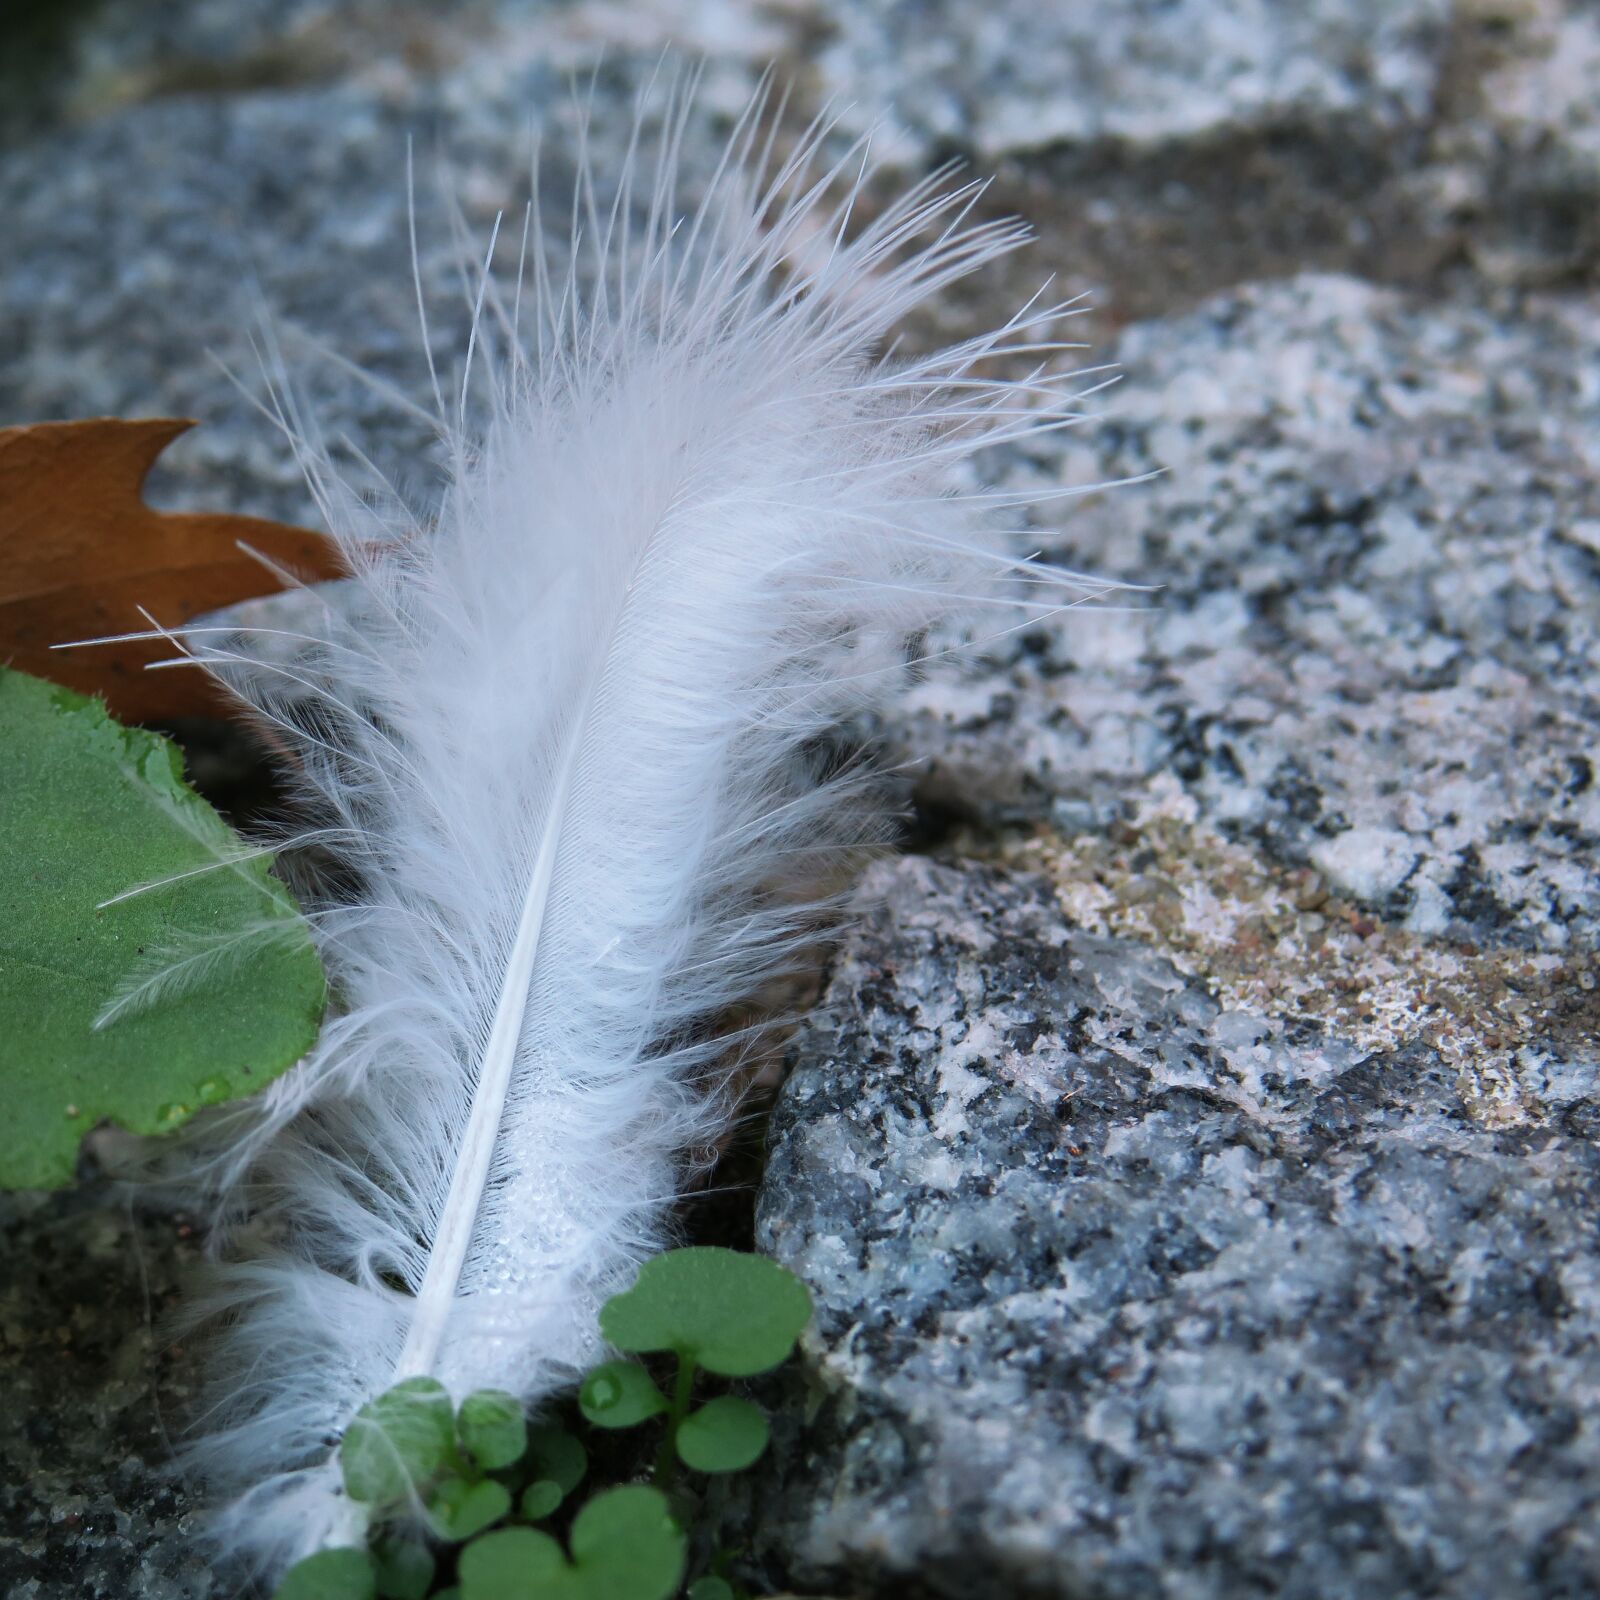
(1368, 863)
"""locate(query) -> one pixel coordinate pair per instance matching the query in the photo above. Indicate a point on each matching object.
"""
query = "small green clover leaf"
(554, 1454)
(512, 1564)
(728, 1312)
(398, 1441)
(460, 1508)
(620, 1394)
(330, 1575)
(542, 1497)
(405, 1569)
(493, 1430)
(557, 1463)
(714, 1309)
(625, 1546)
(724, 1435)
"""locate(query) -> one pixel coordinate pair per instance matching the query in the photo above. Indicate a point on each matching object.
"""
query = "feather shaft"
(463, 1203)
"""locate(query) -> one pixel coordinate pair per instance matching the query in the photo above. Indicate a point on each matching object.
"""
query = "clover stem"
(666, 1473)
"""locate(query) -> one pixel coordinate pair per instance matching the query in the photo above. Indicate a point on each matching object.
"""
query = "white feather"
(566, 750)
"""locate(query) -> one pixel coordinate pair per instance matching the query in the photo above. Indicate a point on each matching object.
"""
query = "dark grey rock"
(1125, 1293)
(152, 245)
(1192, 1194)
(1520, 162)
(95, 1392)
(1167, 150)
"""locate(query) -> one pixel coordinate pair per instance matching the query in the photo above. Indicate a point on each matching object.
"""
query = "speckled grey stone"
(1122, 1293)
(1209, 1213)
(139, 278)
(1170, 148)
(1520, 163)
(1017, 76)
(1376, 644)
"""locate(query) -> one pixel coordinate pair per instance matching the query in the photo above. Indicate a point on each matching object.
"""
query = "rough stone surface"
(1277, 906)
(1125, 1290)
(1196, 1166)
(1376, 645)
(1168, 150)
(1523, 170)
(1017, 77)
(90, 1506)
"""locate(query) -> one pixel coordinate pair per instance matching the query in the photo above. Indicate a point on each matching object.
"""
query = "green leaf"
(541, 1498)
(619, 1395)
(732, 1313)
(512, 1564)
(329, 1575)
(625, 1546)
(405, 1569)
(91, 810)
(494, 1431)
(554, 1454)
(710, 1587)
(724, 1435)
(398, 1442)
(459, 1508)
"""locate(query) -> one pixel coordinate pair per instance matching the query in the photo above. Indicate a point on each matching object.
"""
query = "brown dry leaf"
(80, 553)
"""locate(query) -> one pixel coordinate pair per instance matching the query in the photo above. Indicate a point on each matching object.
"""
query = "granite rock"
(1015, 77)
(1127, 1291)
(1192, 1162)
(1168, 150)
(1375, 648)
(1519, 166)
